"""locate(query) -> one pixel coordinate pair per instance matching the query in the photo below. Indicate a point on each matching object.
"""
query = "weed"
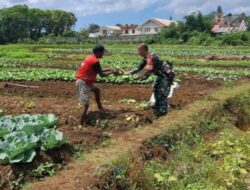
(127, 101)
(18, 183)
(1, 112)
(43, 170)
(78, 150)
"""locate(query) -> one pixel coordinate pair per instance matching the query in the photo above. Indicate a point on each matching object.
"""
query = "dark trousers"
(161, 91)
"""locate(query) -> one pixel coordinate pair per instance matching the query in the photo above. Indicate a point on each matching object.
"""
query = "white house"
(110, 31)
(106, 31)
(154, 25)
(94, 35)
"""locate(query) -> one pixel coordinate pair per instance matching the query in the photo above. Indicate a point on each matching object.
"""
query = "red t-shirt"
(86, 71)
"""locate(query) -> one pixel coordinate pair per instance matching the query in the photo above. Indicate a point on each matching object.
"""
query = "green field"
(15, 60)
(202, 143)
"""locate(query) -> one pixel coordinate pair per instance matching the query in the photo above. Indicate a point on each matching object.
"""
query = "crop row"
(68, 75)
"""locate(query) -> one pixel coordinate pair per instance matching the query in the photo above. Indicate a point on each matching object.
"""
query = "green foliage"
(127, 101)
(52, 39)
(78, 150)
(218, 164)
(200, 38)
(33, 124)
(236, 39)
(212, 155)
(5, 126)
(143, 104)
(170, 32)
(20, 135)
(92, 28)
(17, 147)
(114, 175)
(18, 183)
(43, 170)
(196, 30)
(103, 124)
(28, 104)
(51, 138)
(14, 53)
(17, 61)
(210, 73)
(14, 23)
(196, 21)
(194, 24)
(19, 22)
(69, 34)
(233, 151)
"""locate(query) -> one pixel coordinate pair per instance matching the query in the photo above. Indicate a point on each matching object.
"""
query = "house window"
(147, 29)
(126, 31)
(133, 31)
(156, 29)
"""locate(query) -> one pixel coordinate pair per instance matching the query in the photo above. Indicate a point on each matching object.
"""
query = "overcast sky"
(111, 12)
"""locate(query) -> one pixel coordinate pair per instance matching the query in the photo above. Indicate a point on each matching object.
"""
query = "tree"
(19, 22)
(14, 23)
(62, 21)
(248, 23)
(196, 21)
(170, 32)
(92, 28)
(36, 23)
(83, 33)
(193, 24)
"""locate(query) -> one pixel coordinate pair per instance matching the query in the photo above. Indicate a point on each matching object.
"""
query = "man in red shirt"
(85, 78)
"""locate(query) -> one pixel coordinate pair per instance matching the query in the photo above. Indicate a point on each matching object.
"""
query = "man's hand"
(107, 69)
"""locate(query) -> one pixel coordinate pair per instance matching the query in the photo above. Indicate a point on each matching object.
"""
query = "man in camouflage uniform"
(163, 82)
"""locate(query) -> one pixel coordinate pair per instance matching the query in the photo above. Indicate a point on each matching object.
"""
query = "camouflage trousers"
(161, 91)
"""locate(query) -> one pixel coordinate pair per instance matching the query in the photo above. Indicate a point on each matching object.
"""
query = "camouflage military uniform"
(161, 92)
(161, 85)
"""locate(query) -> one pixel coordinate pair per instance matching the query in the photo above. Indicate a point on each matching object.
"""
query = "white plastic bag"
(175, 85)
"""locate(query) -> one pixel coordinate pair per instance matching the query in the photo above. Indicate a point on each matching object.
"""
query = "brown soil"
(59, 98)
(111, 92)
(227, 57)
